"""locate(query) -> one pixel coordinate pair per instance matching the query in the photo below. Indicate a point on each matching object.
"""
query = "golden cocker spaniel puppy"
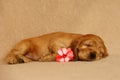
(44, 48)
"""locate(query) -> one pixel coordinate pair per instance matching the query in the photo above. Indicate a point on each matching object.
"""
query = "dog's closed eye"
(88, 45)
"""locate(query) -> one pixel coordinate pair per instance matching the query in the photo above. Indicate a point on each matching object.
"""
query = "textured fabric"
(20, 19)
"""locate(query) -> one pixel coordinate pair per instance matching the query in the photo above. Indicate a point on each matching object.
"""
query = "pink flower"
(64, 55)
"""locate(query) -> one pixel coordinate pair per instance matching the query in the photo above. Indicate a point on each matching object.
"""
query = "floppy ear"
(74, 44)
(74, 47)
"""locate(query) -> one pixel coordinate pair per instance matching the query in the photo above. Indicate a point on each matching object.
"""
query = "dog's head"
(89, 47)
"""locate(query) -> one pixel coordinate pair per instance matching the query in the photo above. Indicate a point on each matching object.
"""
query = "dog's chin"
(88, 59)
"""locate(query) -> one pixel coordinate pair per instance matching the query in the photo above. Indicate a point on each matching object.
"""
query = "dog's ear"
(74, 47)
(74, 44)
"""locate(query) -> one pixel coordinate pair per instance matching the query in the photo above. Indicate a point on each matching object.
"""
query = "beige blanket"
(20, 19)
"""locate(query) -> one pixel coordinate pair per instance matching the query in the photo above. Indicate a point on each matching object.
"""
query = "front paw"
(47, 59)
(11, 60)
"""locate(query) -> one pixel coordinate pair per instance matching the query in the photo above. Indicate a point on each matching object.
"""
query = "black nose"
(92, 55)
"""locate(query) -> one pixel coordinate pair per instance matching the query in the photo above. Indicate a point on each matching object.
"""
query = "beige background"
(21, 19)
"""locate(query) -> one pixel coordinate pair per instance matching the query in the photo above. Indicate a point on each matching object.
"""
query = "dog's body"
(44, 48)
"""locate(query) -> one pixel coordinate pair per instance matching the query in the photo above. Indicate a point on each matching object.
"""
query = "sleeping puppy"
(44, 48)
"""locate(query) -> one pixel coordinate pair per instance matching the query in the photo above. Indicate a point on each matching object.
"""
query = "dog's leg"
(53, 48)
(47, 58)
(17, 54)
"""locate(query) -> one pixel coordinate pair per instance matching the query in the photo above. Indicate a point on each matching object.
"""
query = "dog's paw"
(11, 60)
(26, 60)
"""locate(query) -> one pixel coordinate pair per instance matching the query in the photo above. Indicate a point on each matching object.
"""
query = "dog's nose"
(92, 55)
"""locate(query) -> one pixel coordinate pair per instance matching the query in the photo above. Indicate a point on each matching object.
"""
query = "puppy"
(44, 48)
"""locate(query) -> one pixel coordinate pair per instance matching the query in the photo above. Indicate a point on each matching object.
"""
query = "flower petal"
(60, 52)
(67, 59)
(62, 60)
(58, 57)
(69, 49)
(70, 55)
(64, 50)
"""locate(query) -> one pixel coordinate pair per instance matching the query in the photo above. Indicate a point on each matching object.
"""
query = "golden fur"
(87, 47)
